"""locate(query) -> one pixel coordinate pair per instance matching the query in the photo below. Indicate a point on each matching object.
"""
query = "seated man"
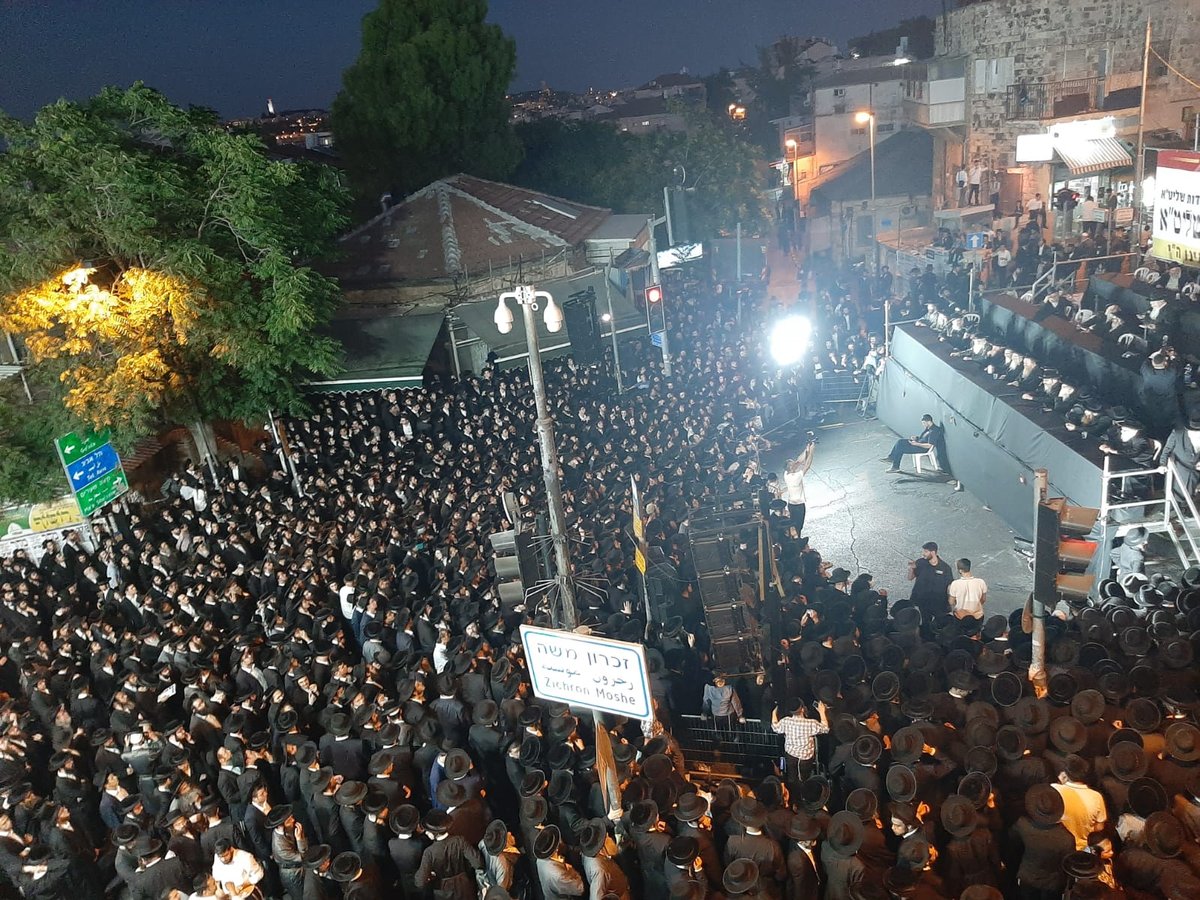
(927, 440)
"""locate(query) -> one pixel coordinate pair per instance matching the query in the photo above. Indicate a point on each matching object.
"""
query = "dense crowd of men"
(250, 690)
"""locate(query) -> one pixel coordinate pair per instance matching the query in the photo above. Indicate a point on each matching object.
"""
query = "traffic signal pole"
(654, 279)
(1037, 663)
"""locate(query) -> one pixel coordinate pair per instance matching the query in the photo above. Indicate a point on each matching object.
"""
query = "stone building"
(1048, 92)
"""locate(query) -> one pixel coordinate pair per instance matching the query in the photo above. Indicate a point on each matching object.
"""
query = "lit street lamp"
(867, 117)
(528, 298)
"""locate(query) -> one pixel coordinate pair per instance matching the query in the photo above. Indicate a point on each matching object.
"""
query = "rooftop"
(462, 225)
(873, 75)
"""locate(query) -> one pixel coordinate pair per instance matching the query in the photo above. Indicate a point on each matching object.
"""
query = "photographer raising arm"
(793, 478)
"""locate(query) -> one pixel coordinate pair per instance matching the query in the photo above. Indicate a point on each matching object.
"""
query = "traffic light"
(654, 294)
(518, 569)
(1062, 553)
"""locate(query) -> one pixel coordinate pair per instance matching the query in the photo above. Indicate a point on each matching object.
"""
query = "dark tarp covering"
(382, 352)
(993, 446)
(479, 315)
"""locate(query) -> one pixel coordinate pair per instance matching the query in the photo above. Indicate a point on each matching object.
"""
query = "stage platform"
(994, 439)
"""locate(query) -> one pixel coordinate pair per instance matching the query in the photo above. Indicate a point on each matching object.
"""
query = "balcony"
(1046, 101)
(935, 93)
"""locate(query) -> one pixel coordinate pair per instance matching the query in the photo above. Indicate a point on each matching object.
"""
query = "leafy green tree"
(156, 267)
(29, 468)
(593, 163)
(426, 97)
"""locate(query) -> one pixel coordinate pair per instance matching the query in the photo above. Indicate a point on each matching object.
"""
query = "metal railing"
(1171, 508)
(1054, 99)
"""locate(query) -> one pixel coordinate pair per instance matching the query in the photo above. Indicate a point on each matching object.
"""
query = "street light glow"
(863, 117)
(790, 339)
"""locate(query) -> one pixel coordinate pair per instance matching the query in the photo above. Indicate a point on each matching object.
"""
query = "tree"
(155, 266)
(591, 162)
(426, 97)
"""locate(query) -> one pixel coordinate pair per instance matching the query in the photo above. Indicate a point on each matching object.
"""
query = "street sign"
(656, 338)
(639, 560)
(73, 446)
(102, 492)
(581, 670)
(93, 469)
(976, 240)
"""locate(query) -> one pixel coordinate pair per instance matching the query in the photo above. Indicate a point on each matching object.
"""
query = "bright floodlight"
(789, 340)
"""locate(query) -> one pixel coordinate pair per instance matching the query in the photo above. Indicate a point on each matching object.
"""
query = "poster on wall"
(1176, 198)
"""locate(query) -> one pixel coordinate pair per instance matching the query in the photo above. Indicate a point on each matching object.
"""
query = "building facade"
(1051, 92)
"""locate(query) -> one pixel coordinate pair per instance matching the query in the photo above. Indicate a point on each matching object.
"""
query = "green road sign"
(104, 490)
(73, 446)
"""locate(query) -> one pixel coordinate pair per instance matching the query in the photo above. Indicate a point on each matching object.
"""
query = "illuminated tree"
(157, 266)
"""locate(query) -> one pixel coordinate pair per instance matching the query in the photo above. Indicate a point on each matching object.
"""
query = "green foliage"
(141, 188)
(593, 163)
(426, 97)
(29, 468)
(919, 31)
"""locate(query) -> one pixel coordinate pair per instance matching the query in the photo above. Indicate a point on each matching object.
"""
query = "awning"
(381, 353)
(1096, 155)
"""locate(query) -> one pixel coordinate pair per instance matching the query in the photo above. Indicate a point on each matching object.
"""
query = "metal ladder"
(1158, 515)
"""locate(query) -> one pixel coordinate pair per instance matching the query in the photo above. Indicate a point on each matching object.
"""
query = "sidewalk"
(783, 285)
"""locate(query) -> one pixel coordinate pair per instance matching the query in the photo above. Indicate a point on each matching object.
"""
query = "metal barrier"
(746, 749)
(841, 387)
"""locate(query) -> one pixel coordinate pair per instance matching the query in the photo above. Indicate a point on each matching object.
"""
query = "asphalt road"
(866, 520)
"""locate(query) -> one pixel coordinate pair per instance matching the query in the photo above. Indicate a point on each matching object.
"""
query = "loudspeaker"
(729, 622)
(737, 656)
(711, 555)
(579, 310)
(718, 589)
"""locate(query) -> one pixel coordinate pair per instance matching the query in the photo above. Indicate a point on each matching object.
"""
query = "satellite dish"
(680, 174)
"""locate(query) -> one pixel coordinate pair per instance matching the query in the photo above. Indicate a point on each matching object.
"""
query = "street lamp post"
(528, 298)
(867, 117)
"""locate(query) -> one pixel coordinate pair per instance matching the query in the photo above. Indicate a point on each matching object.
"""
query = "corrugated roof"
(903, 168)
(461, 224)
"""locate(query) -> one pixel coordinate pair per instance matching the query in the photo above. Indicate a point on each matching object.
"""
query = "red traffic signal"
(654, 294)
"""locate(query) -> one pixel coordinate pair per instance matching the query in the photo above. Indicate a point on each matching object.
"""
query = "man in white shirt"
(960, 181)
(1037, 209)
(793, 485)
(976, 181)
(1000, 263)
(967, 593)
(236, 871)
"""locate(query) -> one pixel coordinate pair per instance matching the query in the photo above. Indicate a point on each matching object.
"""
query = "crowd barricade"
(842, 387)
(747, 749)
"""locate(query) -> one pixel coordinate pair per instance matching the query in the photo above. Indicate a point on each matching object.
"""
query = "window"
(1160, 54)
(1075, 64)
(858, 131)
(993, 76)
(839, 108)
(839, 92)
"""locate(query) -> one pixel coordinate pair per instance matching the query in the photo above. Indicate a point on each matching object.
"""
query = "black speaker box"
(580, 313)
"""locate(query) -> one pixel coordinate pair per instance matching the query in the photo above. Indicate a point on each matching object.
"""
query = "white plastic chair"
(930, 458)
(1142, 274)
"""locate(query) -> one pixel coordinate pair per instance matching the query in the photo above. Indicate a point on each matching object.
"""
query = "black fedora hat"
(1183, 741)
(1147, 796)
(958, 815)
(592, 837)
(495, 838)
(976, 787)
(535, 809)
(405, 819)
(901, 783)
(885, 686)
(1010, 743)
(1088, 706)
(845, 833)
(815, 793)
(1127, 761)
(1031, 714)
(1143, 715)
(532, 783)
(681, 851)
(803, 827)
(979, 733)
(1068, 734)
(346, 867)
(643, 815)
(863, 803)
(907, 744)
(546, 844)
(981, 759)
(1062, 688)
(749, 813)
(867, 749)
(1082, 865)
(741, 876)
(278, 815)
(1006, 689)
(1044, 804)
(690, 807)
(1163, 835)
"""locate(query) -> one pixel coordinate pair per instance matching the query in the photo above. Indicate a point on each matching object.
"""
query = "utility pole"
(1140, 165)
(1037, 664)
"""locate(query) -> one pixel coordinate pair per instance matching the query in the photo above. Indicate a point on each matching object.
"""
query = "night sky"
(233, 54)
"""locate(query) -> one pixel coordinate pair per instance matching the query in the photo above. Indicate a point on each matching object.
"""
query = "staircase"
(1170, 512)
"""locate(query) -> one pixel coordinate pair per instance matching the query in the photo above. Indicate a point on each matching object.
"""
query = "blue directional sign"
(656, 338)
(93, 467)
